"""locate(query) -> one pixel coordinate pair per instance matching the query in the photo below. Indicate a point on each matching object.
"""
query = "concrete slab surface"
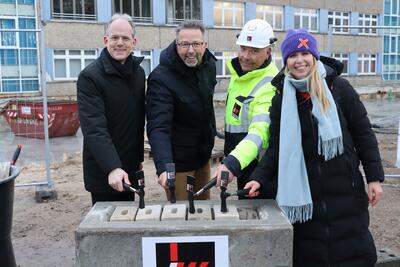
(124, 213)
(174, 212)
(202, 213)
(231, 214)
(149, 213)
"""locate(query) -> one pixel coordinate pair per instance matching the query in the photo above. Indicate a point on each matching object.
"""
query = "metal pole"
(45, 111)
(330, 29)
(398, 147)
(31, 184)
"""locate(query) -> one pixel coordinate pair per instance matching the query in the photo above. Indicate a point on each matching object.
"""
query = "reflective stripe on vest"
(255, 139)
(261, 118)
(244, 127)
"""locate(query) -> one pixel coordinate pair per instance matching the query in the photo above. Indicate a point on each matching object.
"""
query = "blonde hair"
(316, 86)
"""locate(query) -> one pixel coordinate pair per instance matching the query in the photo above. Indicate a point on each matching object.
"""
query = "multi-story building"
(73, 35)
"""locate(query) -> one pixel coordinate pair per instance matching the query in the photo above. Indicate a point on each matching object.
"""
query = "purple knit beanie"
(298, 41)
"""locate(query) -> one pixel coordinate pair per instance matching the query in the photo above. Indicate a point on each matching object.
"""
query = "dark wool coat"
(180, 112)
(111, 111)
(338, 233)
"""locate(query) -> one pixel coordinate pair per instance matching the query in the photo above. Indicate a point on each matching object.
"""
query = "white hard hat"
(256, 33)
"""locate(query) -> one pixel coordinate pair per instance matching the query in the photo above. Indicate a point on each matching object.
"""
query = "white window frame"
(148, 56)
(231, 6)
(366, 58)
(309, 14)
(392, 67)
(139, 19)
(371, 19)
(15, 19)
(342, 17)
(265, 11)
(73, 16)
(67, 57)
(224, 56)
(344, 58)
(173, 20)
(26, 72)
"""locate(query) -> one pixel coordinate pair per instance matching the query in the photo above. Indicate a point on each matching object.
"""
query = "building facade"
(73, 35)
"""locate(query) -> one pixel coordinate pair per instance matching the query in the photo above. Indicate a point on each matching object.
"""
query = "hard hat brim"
(249, 44)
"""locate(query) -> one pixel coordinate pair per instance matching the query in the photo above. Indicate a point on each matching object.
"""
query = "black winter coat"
(111, 112)
(180, 112)
(338, 233)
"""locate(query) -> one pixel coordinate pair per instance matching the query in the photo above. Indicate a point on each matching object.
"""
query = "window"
(73, 9)
(391, 55)
(367, 20)
(339, 19)
(222, 58)
(272, 14)
(228, 14)
(306, 18)
(366, 64)
(20, 8)
(19, 71)
(183, 10)
(147, 63)
(344, 58)
(69, 63)
(139, 10)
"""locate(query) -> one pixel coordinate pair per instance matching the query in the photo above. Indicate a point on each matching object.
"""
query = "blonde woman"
(319, 134)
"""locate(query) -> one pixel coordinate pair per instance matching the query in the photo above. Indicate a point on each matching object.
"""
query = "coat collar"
(170, 58)
(108, 66)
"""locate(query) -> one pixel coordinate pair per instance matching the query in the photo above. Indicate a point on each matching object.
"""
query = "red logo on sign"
(236, 110)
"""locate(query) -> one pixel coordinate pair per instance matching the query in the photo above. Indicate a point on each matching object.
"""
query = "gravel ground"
(43, 233)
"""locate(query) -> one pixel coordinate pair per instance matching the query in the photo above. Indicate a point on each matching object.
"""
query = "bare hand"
(116, 177)
(162, 180)
(374, 192)
(218, 172)
(140, 167)
(254, 186)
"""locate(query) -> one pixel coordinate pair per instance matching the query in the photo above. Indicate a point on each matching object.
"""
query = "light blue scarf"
(294, 196)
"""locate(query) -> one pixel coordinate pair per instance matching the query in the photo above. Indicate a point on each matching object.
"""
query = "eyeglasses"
(195, 45)
(116, 38)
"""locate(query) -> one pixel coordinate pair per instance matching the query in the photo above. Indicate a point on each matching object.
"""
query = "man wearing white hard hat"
(248, 100)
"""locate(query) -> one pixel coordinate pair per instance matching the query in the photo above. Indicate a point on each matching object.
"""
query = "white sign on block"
(26, 110)
(207, 251)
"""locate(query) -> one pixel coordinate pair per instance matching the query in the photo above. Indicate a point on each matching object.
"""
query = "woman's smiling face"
(300, 64)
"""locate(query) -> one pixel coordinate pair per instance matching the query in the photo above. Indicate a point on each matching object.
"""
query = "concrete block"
(203, 212)
(387, 258)
(232, 213)
(173, 212)
(149, 213)
(100, 242)
(124, 213)
(44, 193)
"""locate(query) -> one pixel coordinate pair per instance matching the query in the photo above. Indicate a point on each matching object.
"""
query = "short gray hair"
(190, 25)
(124, 17)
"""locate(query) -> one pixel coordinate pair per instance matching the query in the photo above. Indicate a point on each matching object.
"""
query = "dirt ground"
(43, 233)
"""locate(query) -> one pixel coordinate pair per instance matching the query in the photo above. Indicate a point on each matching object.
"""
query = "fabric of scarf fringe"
(298, 214)
(330, 148)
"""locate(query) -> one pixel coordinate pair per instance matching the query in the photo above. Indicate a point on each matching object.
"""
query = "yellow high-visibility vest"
(247, 111)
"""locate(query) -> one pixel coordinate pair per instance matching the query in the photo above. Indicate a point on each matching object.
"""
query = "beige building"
(73, 36)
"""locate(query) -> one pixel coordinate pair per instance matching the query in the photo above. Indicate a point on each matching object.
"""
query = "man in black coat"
(110, 95)
(179, 109)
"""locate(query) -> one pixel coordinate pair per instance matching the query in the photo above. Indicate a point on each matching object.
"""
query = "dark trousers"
(124, 196)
